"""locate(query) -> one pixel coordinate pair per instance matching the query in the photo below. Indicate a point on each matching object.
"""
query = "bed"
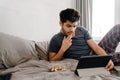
(28, 60)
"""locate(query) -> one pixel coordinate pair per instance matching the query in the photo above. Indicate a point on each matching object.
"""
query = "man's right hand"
(66, 43)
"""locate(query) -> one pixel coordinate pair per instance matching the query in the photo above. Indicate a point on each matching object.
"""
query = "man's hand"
(110, 65)
(66, 43)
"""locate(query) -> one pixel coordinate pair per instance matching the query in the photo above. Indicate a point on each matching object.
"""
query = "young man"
(72, 41)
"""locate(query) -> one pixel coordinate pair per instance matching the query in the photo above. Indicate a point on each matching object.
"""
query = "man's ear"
(60, 23)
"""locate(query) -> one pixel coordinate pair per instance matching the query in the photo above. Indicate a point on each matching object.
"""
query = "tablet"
(93, 61)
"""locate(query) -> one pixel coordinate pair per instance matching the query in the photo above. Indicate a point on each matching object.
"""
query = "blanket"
(40, 70)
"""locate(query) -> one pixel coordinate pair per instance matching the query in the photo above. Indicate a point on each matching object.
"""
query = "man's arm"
(56, 56)
(98, 50)
(66, 43)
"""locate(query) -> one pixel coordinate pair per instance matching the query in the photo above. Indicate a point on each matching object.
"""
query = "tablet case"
(92, 62)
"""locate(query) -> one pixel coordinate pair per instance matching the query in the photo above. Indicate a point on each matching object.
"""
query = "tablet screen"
(93, 61)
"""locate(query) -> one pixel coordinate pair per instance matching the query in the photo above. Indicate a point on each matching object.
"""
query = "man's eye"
(68, 26)
(74, 26)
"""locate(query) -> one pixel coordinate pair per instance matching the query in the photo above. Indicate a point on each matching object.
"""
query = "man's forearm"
(101, 51)
(58, 55)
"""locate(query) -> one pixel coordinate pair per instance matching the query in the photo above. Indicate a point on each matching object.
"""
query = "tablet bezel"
(93, 61)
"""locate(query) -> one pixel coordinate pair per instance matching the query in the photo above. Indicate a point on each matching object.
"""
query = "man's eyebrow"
(68, 25)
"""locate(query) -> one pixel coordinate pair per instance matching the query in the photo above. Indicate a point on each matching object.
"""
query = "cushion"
(15, 50)
(42, 49)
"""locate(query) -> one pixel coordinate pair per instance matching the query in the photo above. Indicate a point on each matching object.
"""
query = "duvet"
(40, 70)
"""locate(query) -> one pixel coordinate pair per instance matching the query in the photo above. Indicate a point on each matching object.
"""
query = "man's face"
(68, 28)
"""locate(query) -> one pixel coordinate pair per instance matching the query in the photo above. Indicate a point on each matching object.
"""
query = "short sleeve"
(87, 34)
(53, 47)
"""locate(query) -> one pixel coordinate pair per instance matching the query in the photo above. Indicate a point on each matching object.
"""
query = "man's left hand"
(110, 65)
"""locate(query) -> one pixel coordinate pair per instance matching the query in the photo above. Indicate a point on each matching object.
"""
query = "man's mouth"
(70, 32)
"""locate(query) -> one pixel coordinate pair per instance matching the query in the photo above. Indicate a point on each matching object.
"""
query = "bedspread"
(40, 70)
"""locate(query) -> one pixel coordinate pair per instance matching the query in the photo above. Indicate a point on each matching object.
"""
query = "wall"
(117, 11)
(32, 19)
(117, 18)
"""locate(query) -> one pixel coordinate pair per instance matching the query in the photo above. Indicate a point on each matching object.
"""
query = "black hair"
(69, 14)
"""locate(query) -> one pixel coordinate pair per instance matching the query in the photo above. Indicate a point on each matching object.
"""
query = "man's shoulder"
(56, 36)
(81, 29)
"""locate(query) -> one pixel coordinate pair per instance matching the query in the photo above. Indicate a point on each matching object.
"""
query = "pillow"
(14, 50)
(42, 49)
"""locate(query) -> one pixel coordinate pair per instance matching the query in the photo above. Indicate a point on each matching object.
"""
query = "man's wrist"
(62, 50)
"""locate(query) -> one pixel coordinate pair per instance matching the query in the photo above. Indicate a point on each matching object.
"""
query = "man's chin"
(73, 34)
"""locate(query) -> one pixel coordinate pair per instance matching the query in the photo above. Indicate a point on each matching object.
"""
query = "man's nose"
(72, 29)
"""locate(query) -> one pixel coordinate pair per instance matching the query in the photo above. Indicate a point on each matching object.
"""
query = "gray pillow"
(14, 50)
(42, 49)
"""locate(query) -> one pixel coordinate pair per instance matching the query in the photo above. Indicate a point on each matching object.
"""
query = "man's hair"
(69, 14)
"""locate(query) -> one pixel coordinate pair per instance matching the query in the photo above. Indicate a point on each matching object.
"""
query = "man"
(72, 41)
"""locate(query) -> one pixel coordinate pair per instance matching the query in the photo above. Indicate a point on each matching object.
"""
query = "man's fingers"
(69, 37)
(110, 65)
(64, 37)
